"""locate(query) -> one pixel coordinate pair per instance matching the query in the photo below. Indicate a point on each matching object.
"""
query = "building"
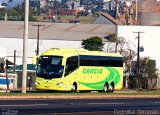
(52, 35)
(149, 12)
(105, 18)
(148, 40)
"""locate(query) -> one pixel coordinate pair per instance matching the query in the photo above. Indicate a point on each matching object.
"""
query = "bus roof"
(72, 52)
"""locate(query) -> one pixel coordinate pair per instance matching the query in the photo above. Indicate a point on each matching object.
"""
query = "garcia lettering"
(92, 71)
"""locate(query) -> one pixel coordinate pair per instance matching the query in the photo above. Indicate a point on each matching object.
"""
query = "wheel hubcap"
(73, 87)
(105, 88)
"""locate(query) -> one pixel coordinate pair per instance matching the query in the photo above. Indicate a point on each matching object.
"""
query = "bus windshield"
(49, 67)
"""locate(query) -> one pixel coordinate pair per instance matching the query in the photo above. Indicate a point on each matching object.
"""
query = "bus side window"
(71, 64)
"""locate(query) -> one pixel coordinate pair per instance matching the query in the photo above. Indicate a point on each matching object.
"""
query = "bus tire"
(74, 87)
(106, 87)
(112, 87)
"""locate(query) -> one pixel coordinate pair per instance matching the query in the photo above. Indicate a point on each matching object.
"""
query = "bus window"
(101, 61)
(71, 64)
(49, 67)
(56, 61)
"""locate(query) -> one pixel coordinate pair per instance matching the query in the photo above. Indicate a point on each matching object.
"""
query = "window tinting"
(50, 67)
(71, 64)
(101, 61)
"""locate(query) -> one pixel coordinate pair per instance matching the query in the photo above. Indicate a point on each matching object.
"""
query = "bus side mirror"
(34, 60)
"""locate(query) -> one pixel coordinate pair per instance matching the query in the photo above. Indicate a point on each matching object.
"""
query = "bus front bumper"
(57, 87)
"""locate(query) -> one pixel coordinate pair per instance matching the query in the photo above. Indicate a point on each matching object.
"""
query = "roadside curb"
(79, 97)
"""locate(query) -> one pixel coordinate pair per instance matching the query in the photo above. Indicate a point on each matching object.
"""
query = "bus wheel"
(74, 87)
(106, 87)
(112, 87)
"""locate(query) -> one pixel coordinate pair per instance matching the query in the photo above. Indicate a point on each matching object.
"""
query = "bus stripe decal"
(117, 79)
(114, 76)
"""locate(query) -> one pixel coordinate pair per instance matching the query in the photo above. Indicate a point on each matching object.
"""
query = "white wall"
(12, 44)
(149, 40)
(3, 52)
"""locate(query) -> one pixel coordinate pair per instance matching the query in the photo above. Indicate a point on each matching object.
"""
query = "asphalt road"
(141, 106)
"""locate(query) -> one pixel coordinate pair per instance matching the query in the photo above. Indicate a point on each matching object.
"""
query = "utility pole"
(7, 80)
(138, 56)
(14, 61)
(38, 26)
(25, 46)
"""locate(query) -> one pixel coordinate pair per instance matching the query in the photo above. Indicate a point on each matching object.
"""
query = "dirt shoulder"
(77, 96)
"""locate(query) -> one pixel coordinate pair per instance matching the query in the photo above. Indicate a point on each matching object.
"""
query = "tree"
(123, 47)
(151, 69)
(148, 70)
(2, 64)
(94, 43)
(147, 67)
(17, 14)
(119, 41)
(128, 56)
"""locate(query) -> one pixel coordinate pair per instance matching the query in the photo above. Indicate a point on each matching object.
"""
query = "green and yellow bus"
(79, 70)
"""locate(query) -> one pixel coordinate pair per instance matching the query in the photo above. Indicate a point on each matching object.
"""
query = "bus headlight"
(36, 83)
(60, 83)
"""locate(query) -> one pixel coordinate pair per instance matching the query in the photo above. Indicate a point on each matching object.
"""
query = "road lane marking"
(86, 113)
(23, 105)
(157, 102)
(106, 103)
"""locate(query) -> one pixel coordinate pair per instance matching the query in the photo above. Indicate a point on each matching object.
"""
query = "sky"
(12, 3)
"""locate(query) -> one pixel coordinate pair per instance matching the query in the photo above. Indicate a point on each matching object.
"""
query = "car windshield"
(49, 67)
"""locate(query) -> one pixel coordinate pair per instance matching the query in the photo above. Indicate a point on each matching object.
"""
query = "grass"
(116, 93)
(66, 18)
